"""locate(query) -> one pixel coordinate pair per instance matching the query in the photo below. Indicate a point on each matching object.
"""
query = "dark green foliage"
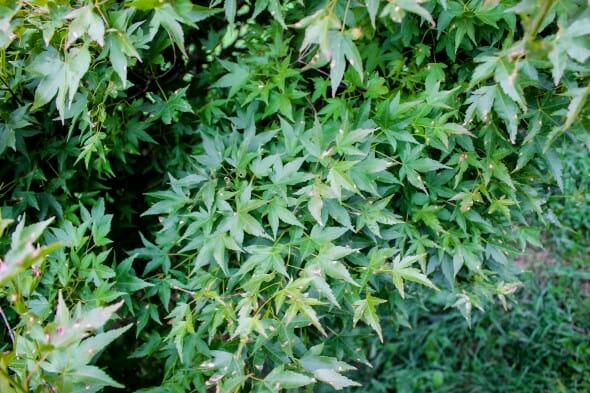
(258, 180)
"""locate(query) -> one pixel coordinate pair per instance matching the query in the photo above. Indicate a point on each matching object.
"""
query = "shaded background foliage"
(258, 181)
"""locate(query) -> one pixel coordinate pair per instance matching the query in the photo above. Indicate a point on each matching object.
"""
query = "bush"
(256, 181)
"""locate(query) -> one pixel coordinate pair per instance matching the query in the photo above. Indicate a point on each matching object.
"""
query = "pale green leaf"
(230, 7)
(93, 375)
(85, 21)
(334, 379)
(424, 165)
(372, 9)
(314, 206)
(279, 378)
(506, 76)
(237, 76)
(365, 309)
(485, 69)
(93, 345)
(500, 172)
(506, 108)
(167, 17)
(555, 166)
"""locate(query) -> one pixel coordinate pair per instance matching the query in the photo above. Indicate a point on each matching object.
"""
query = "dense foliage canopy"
(247, 183)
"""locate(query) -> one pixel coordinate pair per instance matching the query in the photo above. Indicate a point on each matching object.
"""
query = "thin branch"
(35, 368)
(5, 82)
(532, 33)
(345, 16)
(10, 332)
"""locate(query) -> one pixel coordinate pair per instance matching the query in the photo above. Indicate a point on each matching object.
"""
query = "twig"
(345, 16)
(531, 34)
(7, 325)
(5, 82)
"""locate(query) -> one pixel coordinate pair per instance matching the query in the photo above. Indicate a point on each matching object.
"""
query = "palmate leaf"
(504, 98)
(579, 98)
(278, 212)
(372, 214)
(322, 287)
(85, 21)
(340, 49)
(70, 328)
(480, 101)
(89, 374)
(317, 27)
(499, 170)
(346, 141)
(167, 17)
(338, 213)
(569, 42)
(182, 324)
(300, 303)
(401, 270)
(506, 76)
(336, 46)
(428, 215)
(314, 360)
(555, 166)
(4, 224)
(366, 309)
(396, 9)
(414, 161)
(275, 8)
(23, 253)
(120, 49)
(485, 69)
(93, 345)
(424, 165)
(250, 225)
(7, 138)
(508, 111)
(263, 259)
(339, 179)
(169, 108)
(327, 263)
(170, 201)
(237, 76)
(316, 193)
(59, 76)
(248, 323)
(76, 66)
(327, 369)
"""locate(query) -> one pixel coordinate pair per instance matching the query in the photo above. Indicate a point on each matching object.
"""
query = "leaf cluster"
(257, 180)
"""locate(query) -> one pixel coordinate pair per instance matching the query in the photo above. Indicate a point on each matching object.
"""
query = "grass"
(540, 344)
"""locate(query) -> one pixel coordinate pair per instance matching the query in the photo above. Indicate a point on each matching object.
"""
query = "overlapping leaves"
(306, 169)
